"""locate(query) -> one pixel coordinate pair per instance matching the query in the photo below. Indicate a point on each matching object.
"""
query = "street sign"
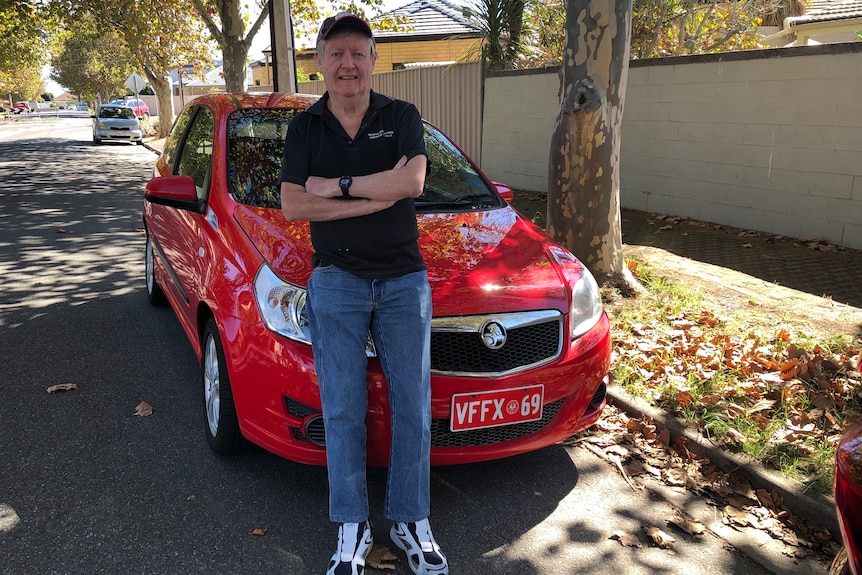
(135, 83)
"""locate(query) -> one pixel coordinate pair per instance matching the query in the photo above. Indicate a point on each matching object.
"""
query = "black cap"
(342, 20)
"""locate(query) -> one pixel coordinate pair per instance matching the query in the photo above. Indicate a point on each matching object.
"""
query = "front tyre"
(221, 425)
(155, 295)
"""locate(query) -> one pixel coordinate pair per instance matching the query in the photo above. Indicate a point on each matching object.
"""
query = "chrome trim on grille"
(511, 322)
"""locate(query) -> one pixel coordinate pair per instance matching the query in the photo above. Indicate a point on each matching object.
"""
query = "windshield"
(256, 145)
(118, 112)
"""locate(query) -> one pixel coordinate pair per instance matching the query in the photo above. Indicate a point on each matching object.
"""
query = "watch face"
(344, 182)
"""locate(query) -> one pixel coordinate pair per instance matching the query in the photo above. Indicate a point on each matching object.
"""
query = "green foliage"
(676, 27)
(500, 23)
(92, 61)
(24, 31)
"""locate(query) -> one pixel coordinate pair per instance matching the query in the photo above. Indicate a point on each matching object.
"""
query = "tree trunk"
(164, 93)
(235, 66)
(584, 171)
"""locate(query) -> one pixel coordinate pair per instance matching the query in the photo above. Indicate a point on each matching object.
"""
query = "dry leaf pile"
(641, 450)
(772, 396)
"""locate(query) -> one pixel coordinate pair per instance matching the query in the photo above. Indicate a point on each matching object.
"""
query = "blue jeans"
(342, 308)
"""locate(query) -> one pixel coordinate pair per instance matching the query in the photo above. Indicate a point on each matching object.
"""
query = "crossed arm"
(321, 199)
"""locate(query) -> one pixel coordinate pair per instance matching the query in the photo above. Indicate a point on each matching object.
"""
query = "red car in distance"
(138, 106)
(520, 342)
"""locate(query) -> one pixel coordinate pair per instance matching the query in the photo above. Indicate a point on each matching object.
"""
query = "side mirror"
(505, 191)
(174, 191)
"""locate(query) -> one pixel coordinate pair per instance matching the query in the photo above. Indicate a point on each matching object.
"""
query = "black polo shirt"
(378, 245)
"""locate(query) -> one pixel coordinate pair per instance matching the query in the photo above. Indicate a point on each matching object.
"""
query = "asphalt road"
(88, 487)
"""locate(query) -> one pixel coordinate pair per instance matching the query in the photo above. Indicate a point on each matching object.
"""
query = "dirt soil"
(729, 291)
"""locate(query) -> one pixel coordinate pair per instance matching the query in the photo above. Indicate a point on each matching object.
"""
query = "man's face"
(347, 63)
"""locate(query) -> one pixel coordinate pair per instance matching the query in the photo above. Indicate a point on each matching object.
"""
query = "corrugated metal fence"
(450, 97)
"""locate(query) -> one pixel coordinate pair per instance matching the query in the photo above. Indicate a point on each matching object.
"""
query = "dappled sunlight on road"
(70, 222)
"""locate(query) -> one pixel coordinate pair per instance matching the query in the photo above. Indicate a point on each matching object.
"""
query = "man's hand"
(323, 187)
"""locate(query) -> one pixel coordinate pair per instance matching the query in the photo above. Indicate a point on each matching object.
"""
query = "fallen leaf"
(626, 539)
(380, 557)
(660, 538)
(690, 526)
(143, 409)
(192, 498)
(62, 387)
(259, 532)
(734, 436)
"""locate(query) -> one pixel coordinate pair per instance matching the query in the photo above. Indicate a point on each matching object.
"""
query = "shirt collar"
(376, 101)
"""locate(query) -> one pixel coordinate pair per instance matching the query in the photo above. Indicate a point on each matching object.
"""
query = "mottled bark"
(164, 94)
(584, 173)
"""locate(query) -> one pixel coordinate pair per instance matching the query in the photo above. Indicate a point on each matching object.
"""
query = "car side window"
(196, 155)
(179, 130)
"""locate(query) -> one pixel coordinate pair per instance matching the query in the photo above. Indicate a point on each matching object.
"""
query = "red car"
(139, 106)
(21, 108)
(520, 341)
(848, 502)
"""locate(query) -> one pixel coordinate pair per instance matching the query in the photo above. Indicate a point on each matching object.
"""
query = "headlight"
(586, 309)
(102, 125)
(282, 305)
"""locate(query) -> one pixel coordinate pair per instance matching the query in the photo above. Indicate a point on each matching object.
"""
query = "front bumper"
(115, 135)
(278, 404)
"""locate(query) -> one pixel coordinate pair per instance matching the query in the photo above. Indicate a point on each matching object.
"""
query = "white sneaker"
(423, 553)
(354, 545)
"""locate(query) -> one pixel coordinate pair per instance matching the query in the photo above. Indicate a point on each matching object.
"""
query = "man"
(353, 162)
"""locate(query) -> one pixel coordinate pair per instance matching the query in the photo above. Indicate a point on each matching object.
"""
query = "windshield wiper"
(469, 199)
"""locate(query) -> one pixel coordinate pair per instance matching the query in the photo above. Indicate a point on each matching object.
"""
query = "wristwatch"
(344, 183)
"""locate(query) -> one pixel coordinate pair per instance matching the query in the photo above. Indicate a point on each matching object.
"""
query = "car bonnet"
(477, 262)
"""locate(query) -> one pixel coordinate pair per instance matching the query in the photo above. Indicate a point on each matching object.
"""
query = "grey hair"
(340, 33)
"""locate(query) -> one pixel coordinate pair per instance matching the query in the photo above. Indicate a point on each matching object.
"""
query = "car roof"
(227, 102)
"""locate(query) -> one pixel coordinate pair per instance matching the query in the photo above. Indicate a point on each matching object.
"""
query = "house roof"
(828, 10)
(429, 18)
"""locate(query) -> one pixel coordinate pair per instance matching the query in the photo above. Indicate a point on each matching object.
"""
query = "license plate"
(495, 408)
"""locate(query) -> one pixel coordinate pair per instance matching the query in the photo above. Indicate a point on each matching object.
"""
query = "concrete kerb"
(812, 508)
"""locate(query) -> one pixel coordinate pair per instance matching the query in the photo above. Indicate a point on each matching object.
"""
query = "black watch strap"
(344, 183)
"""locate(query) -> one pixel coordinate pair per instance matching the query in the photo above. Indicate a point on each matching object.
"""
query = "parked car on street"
(21, 108)
(82, 106)
(116, 124)
(520, 342)
(139, 106)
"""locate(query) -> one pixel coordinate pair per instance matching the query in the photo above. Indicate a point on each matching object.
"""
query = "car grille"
(526, 340)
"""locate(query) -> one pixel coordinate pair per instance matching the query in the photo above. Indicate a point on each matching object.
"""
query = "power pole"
(283, 52)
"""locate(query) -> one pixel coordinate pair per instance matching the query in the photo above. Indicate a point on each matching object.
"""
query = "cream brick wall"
(767, 140)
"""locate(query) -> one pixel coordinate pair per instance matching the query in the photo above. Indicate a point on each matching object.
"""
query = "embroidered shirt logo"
(381, 134)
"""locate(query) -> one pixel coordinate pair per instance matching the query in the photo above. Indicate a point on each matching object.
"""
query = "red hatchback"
(520, 345)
